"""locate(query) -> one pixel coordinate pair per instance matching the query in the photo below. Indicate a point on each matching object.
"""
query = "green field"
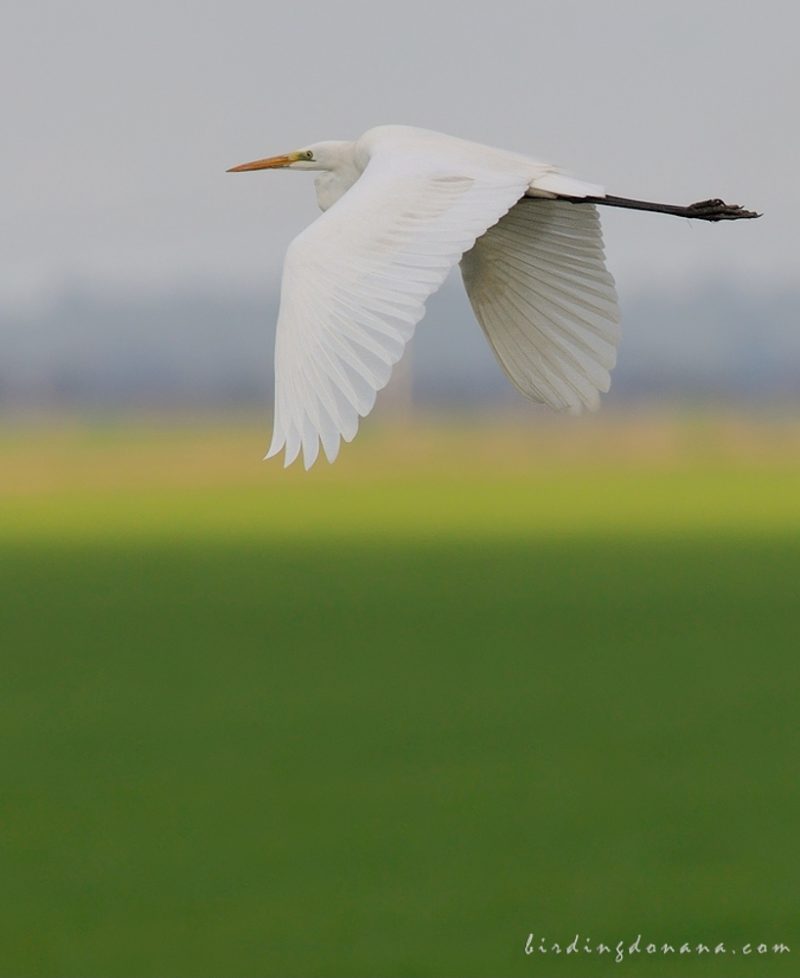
(390, 717)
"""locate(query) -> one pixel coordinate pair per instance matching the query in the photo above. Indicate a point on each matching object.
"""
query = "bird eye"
(309, 155)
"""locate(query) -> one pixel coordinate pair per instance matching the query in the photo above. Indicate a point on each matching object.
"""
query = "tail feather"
(556, 184)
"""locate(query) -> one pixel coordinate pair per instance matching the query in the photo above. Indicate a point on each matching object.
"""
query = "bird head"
(319, 156)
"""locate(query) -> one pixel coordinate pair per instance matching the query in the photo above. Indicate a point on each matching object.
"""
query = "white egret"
(401, 207)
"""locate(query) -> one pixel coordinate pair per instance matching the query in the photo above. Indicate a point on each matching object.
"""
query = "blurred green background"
(476, 681)
(494, 673)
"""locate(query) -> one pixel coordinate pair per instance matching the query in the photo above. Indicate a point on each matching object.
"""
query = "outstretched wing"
(354, 287)
(539, 287)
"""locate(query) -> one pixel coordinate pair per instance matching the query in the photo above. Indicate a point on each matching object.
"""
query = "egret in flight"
(401, 207)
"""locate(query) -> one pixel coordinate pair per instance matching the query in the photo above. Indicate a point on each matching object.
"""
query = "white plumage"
(401, 207)
(539, 287)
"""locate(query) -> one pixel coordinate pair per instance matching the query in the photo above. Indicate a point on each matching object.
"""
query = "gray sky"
(119, 119)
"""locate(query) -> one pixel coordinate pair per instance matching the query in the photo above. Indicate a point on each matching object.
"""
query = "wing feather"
(355, 284)
(539, 287)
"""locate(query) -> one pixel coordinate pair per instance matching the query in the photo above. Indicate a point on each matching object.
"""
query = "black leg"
(703, 210)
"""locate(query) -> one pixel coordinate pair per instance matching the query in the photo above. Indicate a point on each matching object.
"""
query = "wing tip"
(330, 449)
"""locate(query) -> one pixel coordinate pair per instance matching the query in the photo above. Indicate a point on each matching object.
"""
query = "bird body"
(401, 207)
(348, 160)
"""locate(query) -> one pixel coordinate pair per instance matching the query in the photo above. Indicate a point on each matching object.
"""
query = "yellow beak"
(269, 163)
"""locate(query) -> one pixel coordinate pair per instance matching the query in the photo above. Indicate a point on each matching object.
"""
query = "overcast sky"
(119, 119)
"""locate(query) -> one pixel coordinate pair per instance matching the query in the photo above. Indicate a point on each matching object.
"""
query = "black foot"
(717, 210)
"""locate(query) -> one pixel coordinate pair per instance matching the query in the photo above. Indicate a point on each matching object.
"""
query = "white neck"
(339, 172)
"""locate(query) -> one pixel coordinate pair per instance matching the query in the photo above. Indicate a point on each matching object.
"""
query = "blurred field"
(388, 717)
